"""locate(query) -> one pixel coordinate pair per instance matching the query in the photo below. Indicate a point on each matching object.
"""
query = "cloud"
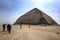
(55, 6)
(8, 5)
(41, 1)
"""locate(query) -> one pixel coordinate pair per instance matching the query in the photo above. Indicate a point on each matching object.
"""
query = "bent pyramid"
(35, 16)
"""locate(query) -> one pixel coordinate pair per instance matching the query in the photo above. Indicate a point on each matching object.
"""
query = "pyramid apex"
(36, 9)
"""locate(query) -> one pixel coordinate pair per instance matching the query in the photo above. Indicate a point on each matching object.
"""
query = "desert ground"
(35, 32)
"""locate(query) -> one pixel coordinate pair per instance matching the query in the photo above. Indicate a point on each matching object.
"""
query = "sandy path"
(32, 33)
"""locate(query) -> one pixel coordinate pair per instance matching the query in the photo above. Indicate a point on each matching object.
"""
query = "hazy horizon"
(11, 10)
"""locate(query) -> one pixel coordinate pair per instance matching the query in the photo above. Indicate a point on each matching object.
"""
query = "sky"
(11, 10)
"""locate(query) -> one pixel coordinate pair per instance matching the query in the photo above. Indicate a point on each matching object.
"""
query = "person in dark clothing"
(20, 26)
(9, 28)
(3, 27)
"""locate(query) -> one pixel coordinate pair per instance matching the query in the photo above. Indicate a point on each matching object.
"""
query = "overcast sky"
(11, 10)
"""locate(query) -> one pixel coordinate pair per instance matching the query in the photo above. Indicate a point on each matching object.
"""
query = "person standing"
(20, 26)
(3, 27)
(9, 28)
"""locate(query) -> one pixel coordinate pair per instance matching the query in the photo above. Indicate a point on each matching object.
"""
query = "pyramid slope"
(33, 17)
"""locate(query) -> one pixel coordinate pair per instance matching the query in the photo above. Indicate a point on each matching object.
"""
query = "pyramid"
(35, 16)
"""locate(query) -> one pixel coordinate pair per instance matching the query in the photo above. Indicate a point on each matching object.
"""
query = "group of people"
(8, 27)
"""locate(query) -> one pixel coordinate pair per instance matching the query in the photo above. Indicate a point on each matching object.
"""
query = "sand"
(35, 32)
